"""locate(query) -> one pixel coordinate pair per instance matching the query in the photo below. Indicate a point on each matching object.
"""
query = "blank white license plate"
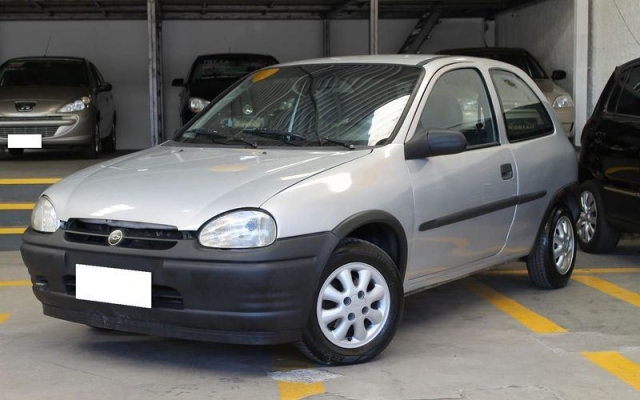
(26, 141)
(114, 286)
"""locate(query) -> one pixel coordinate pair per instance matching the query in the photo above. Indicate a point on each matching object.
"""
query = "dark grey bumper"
(254, 296)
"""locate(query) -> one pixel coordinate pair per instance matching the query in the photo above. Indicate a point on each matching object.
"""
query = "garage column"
(373, 27)
(154, 26)
(581, 65)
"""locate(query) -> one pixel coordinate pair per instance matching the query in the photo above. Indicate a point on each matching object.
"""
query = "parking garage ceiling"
(250, 9)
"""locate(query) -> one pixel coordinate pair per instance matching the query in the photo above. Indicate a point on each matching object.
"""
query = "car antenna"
(47, 48)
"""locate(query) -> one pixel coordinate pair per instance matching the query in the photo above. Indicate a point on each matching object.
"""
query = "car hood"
(550, 89)
(184, 187)
(209, 89)
(42, 93)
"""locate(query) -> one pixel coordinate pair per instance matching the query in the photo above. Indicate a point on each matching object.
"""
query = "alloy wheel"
(563, 245)
(586, 224)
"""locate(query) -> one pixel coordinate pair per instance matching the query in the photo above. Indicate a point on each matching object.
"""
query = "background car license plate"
(112, 285)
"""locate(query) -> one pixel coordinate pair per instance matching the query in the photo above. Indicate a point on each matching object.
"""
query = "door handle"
(507, 171)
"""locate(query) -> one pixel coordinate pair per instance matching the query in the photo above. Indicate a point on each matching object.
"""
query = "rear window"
(524, 114)
(228, 66)
(43, 72)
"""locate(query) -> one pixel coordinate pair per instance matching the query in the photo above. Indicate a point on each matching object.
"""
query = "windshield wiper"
(248, 143)
(285, 135)
(348, 145)
(208, 132)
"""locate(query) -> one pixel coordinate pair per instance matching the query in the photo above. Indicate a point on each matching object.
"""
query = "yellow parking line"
(14, 283)
(610, 289)
(532, 320)
(299, 390)
(29, 181)
(16, 206)
(17, 230)
(4, 317)
(617, 365)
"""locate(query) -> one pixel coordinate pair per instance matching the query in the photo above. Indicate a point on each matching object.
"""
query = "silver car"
(308, 200)
(64, 101)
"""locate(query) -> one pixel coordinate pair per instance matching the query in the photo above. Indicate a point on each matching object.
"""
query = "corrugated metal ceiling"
(250, 9)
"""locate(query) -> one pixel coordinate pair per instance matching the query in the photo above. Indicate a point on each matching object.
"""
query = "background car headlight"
(196, 104)
(77, 105)
(563, 102)
(239, 230)
(43, 217)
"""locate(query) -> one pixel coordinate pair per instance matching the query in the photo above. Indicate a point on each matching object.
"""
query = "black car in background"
(211, 74)
(610, 164)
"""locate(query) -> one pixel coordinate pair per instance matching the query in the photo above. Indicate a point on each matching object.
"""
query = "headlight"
(196, 104)
(563, 101)
(43, 217)
(77, 105)
(239, 230)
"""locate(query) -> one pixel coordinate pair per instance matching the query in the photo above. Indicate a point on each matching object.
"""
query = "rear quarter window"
(629, 103)
(524, 114)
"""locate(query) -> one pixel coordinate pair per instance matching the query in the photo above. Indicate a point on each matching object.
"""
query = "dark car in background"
(65, 100)
(610, 164)
(559, 98)
(211, 74)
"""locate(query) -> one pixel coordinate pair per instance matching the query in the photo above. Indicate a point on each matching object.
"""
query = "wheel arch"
(381, 229)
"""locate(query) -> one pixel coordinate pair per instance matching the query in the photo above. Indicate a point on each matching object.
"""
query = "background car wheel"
(109, 143)
(553, 257)
(93, 150)
(16, 152)
(357, 307)
(595, 235)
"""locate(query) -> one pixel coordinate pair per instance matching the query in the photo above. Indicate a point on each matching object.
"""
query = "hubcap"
(588, 213)
(353, 305)
(96, 140)
(563, 245)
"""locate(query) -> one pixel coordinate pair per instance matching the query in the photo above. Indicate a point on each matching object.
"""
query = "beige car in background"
(559, 98)
(63, 100)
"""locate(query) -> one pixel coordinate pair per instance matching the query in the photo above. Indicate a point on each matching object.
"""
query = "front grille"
(134, 237)
(30, 119)
(45, 131)
(161, 296)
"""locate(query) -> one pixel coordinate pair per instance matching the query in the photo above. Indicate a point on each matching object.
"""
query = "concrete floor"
(452, 343)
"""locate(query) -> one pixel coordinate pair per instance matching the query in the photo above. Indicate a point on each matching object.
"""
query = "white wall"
(546, 30)
(117, 48)
(614, 39)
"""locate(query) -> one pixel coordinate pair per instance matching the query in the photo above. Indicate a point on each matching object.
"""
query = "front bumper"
(56, 130)
(254, 296)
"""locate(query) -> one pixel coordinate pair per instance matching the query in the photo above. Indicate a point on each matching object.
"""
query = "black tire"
(546, 269)
(595, 234)
(316, 345)
(16, 152)
(109, 143)
(92, 150)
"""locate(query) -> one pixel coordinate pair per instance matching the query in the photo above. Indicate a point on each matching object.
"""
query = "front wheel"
(553, 257)
(357, 307)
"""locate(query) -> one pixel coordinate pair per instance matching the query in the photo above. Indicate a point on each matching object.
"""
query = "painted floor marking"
(299, 380)
(29, 181)
(15, 230)
(299, 390)
(532, 320)
(610, 289)
(617, 365)
(4, 317)
(16, 206)
(14, 283)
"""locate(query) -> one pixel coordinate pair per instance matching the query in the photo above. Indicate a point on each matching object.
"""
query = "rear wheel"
(595, 234)
(91, 151)
(553, 257)
(109, 143)
(357, 307)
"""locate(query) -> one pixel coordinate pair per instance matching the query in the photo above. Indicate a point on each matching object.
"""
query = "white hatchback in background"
(306, 202)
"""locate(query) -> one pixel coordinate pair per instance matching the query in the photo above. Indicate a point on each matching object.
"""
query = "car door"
(463, 202)
(618, 145)
(105, 103)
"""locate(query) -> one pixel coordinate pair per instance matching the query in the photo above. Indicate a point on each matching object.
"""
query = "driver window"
(459, 101)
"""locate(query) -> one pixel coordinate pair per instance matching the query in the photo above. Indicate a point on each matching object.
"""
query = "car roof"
(235, 55)
(485, 50)
(399, 59)
(628, 64)
(46, 58)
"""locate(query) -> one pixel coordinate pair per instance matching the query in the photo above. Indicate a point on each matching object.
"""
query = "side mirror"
(178, 82)
(434, 142)
(105, 87)
(558, 75)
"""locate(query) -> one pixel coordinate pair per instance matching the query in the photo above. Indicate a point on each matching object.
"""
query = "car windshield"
(43, 72)
(228, 66)
(521, 60)
(313, 105)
